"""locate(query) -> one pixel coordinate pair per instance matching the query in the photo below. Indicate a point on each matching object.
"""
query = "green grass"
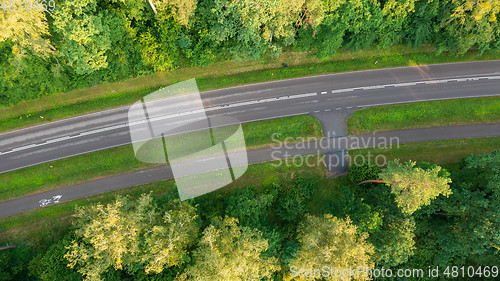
(424, 114)
(121, 159)
(48, 223)
(219, 75)
(438, 152)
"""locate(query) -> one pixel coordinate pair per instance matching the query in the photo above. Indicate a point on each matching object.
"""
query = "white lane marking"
(373, 87)
(324, 93)
(413, 101)
(407, 84)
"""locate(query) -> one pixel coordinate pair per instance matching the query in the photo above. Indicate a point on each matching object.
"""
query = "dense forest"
(81, 43)
(419, 215)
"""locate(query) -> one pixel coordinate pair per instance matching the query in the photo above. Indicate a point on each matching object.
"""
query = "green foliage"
(51, 265)
(121, 234)
(85, 36)
(465, 24)
(359, 173)
(160, 48)
(414, 186)
(464, 228)
(249, 208)
(158, 239)
(293, 198)
(13, 263)
(393, 240)
(328, 241)
(361, 214)
(225, 247)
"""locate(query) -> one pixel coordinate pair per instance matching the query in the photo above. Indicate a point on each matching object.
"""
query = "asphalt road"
(277, 153)
(343, 91)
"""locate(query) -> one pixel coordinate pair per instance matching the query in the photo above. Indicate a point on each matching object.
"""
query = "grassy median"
(122, 159)
(438, 152)
(424, 114)
(219, 75)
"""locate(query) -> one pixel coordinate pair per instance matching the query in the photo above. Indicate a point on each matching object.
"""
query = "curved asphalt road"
(342, 91)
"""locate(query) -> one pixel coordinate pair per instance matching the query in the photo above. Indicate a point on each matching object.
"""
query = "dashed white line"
(429, 82)
(413, 101)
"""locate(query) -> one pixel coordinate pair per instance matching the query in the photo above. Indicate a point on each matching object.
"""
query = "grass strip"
(424, 114)
(121, 159)
(437, 152)
(219, 75)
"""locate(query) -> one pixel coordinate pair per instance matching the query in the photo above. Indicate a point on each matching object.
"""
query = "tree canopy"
(332, 242)
(227, 251)
(120, 234)
(414, 186)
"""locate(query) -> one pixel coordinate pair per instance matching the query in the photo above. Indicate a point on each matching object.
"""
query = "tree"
(347, 24)
(395, 13)
(348, 205)
(122, 233)
(227, 251)
(467, 23)
(159, 46)
(465, 227)
(362, 18)
(359, 173)
(85, 38)
(13, 263)
(420, 25)
(252, 28)
(51, 265)
(28, 29)
(249, 208)
(332, 242)
(182, 10)
(293, 198)
(165, 244)
(413, 186)
(392, 239)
